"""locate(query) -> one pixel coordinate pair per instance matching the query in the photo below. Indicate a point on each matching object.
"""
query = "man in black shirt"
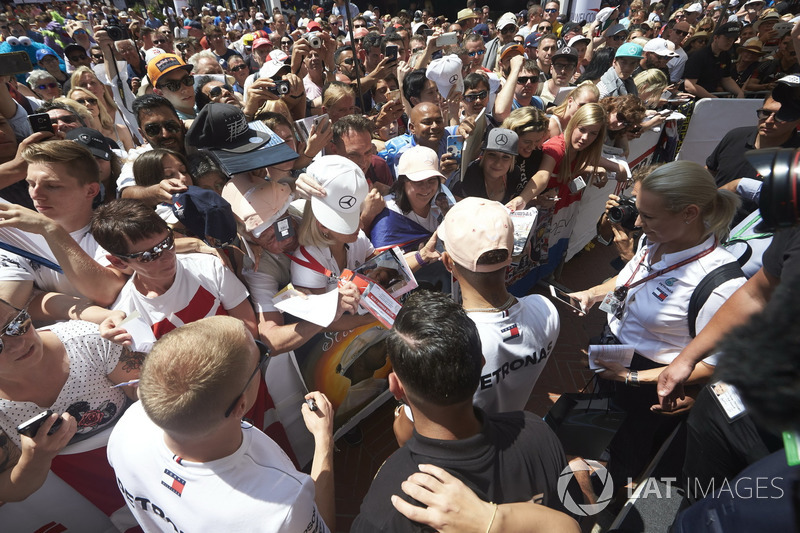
(708, 70)
(436, 356)
(727, 162)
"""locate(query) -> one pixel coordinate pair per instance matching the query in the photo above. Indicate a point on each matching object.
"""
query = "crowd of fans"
(172, 167)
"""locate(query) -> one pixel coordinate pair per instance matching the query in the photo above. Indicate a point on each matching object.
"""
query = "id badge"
(283, 229)
(728, 399)
(610, 303)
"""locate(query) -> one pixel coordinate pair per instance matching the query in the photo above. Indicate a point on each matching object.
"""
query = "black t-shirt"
(741, 77)
(707, 68)
(474, 184)
(782, 258)
(771, 70)
(728, 159)
(516, 457)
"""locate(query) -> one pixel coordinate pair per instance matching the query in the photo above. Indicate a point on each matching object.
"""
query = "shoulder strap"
(707, 285)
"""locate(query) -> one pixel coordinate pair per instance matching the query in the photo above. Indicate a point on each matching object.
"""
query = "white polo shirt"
(655, 319)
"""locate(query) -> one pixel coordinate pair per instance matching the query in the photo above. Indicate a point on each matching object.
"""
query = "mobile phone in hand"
(40, 122)
(30, 427)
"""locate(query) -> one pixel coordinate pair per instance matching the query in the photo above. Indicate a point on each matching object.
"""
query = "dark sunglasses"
(66, 119)
(215, 92)
(51, 85)
(77, 58)
(153, 253)
(476, 53)
(764, 114)
(348, 61)
(618, 37)
(551, 10)
(475, 96)
(87, 101)
(17, 326)
(544, 29)
(154, 128)
(564, 66)
(523, 80)
(175, 85)
(263, 357)
(237, 68)
(681, 32)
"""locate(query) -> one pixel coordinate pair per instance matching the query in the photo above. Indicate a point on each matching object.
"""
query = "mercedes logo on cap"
(501, 140)
(346, 202)
(453, 79)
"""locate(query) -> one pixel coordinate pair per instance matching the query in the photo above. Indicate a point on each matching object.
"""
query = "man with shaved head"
(425, 128)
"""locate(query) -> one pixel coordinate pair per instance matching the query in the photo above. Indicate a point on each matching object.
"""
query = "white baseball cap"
(695, 8)
(661, 47)
(446, 72)
(507, 19)
(419, 163)
(578, 39)
(346, 189)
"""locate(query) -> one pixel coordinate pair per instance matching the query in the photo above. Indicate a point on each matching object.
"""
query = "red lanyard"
(663, 271)
(310, 263)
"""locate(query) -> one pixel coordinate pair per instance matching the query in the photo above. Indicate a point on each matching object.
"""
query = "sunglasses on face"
(543, 29)
(764, 114)
(154, 128)
(153, 253)
(216, 91)
(551, 10)
(87, 101)
(618, 37)
(476, 53)
(79, 32)
(348, 61)
(524, 80)
(51, 85)
(263, 357)
(66, 119)
(77, 58)
(562, 66)
(681, 32)
(475, 96)
(19, 325)
(175, 85)
(509, 29)
(237, 68)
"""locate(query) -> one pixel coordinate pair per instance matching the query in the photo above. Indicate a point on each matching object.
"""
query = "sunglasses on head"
(216, 91)
(51, 85)
(175, 85)
(475, 96)
(476, 53)
(153, 253)
(524, 80)
(154, 128)
(263, 357)
(17, 326)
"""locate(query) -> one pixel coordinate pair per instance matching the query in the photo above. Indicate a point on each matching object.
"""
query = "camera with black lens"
(314, 39)
(281, 87)
(780, 170)
(181, 46)
(116, 33)
(624, 214)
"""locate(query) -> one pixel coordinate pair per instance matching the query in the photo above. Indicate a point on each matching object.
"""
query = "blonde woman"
(102, 120)
(85, 78)
(585, 93)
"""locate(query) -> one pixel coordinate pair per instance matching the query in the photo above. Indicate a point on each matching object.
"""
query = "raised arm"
(320, 423)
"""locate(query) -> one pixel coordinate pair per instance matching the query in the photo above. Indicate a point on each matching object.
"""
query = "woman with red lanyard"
(684, 217)
(571, 161)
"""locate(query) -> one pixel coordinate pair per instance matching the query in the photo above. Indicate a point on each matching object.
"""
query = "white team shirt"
(256, 488)
(203, 287)
(357, 254)
(17, 268)
(656, 312)
(516, 345)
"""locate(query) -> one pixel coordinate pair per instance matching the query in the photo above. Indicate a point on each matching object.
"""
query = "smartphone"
(447, 39)
(455, 143)
(392, 96)
(29, 428)
(40, 122)
(15, 63)
(427, 33)
(563, 297)
(391, 52)
(665, 112)
(321, 119)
